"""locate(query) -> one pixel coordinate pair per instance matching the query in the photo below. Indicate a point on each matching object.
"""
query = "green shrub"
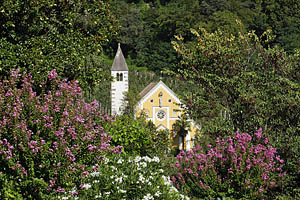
(126, 177)
(137, 136)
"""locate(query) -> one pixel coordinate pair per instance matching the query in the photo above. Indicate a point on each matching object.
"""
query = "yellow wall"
(147, 107)
(165, 102)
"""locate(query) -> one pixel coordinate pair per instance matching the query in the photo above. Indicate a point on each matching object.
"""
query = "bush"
(48, 141)
(137, 136)
(240, 167)
(126, 177)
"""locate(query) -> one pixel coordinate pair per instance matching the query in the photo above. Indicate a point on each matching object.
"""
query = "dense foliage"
(242, 167)
(47, 142)
(147, 27)
(137, 136)
(35, 36)
(232, 79)
(128, 177)
(242, 86)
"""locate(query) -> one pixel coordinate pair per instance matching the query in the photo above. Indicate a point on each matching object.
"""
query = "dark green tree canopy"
(148, 27)
(38, 36)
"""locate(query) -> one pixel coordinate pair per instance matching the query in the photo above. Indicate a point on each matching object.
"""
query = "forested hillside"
(235, 64)
(148, 27)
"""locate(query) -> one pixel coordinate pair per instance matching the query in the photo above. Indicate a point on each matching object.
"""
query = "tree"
(181, 127)
(132, 31)
(37, 36)
(256, 86)
(282, 16)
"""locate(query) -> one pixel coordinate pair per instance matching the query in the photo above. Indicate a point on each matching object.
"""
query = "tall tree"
(244, 86)
(282, 16)
(37, 36)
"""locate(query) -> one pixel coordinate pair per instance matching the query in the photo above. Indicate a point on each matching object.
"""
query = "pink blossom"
(248, 167)
(24, 171)
(91, 147)
(272, 184)
(52, 74)
(234, 156)
(95, 168)
(85, 173)
(258, 134)
(15, 73)
(219, 155)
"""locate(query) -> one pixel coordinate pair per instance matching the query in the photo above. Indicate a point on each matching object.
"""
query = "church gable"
(152, 91)
(160, 104)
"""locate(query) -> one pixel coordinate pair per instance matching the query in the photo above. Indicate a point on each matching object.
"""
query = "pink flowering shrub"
(48, 141)
(240, 167)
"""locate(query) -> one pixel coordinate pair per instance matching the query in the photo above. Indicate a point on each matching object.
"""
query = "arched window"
(118, 77)
(121, 77)
(160, 99)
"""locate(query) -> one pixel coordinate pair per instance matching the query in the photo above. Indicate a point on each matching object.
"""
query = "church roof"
(155, 85)
(119, 63)
(147, 89)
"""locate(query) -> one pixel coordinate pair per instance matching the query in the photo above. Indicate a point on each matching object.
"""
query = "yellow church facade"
(160, 105)
(158, 102)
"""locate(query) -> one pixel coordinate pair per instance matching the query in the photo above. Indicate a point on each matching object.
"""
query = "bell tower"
(119, 72)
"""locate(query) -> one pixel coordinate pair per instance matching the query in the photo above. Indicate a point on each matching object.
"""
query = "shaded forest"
(148, 27)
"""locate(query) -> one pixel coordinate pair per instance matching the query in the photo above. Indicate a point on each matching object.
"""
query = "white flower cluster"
(145, 158)
(95, 174)
(69, 194)
(120, 161)
(87, 186)
(142, 174)
(167, 182)
(148, 197)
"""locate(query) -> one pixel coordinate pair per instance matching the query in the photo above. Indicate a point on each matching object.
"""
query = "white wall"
(118, 88)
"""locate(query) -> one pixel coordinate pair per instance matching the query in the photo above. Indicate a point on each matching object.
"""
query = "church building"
(157, 101)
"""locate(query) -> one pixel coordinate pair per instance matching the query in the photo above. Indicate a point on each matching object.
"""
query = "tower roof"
(119, 63)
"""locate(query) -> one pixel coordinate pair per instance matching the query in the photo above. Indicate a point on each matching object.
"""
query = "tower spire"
(119, 63)
(119, 86)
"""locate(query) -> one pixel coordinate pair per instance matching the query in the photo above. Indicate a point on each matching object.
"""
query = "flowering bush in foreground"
(238, 167)
(47, 141)
(124, 177)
